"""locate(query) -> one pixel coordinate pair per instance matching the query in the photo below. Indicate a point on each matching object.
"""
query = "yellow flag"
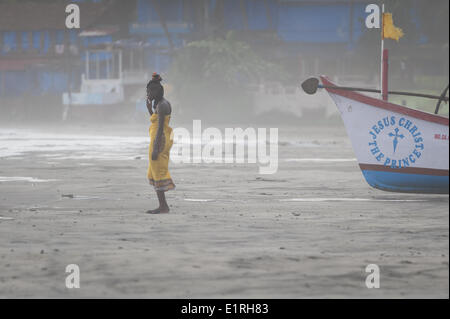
(390, 31)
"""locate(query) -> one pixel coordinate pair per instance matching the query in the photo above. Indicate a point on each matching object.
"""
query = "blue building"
(301, 25)
(38, 54)
(37, 50)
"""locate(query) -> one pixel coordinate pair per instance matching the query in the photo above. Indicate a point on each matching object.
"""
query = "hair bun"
(156, 77)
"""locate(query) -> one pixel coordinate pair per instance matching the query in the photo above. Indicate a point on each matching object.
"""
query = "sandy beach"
(78, 195)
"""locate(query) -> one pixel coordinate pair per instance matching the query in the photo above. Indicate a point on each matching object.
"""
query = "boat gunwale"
(421, 115)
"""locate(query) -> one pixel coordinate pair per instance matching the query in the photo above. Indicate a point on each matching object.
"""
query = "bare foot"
(164, 210)
(158, 211)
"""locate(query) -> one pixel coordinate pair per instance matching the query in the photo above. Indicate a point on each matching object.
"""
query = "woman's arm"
(149, 106)
(163, 111)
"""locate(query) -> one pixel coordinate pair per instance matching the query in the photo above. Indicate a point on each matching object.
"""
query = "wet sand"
(307, 231)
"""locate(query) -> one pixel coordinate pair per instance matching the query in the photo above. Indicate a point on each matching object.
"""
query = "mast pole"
(382, 50)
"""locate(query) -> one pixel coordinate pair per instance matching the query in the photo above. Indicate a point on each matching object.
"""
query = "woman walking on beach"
(160, 142)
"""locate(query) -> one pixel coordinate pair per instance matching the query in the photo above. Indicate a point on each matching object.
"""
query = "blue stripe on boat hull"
(411, 183)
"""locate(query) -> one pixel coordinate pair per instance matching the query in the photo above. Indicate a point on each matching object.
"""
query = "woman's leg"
(163, 207)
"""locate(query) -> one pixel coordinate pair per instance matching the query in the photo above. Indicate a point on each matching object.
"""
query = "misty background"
(224, 61)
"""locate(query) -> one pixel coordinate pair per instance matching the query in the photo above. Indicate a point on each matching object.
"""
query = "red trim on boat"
(385, 105)
(404, 170)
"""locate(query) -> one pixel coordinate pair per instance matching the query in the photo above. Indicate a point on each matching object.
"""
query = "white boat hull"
(398, 149)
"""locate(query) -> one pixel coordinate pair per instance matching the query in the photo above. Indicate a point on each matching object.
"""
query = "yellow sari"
(158, 171)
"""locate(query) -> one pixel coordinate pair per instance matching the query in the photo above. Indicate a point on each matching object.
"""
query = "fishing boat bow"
(398, 148)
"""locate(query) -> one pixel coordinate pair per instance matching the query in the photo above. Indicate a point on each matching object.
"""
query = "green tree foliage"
(218, 71)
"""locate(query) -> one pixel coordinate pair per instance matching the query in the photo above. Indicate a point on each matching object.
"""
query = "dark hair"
(155, 87)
